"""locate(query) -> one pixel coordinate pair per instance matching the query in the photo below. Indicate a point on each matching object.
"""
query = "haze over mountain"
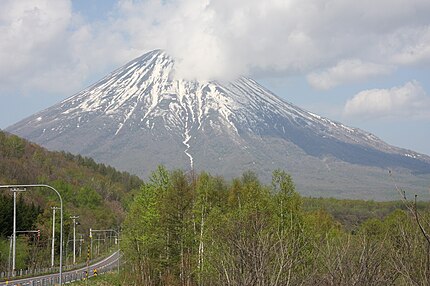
(142, 115)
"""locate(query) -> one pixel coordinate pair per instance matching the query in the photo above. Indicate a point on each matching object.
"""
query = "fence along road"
(107, 264)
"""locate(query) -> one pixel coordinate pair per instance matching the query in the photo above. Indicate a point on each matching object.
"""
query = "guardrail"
(67, 278)
(107, 264)
(32, 272)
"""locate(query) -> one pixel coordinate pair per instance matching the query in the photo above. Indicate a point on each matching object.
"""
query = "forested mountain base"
(187, 229)
(99, 194)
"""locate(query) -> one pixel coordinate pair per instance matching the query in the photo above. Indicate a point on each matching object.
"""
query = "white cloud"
(346, 71)
(409, 100)
(221, 37)
(29, 33)
(417, 52)
(45, 47)
(48, 46)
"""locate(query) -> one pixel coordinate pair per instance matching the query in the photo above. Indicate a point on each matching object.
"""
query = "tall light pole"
(74, 237)
(14, 190)
(61, 218)
(53, 235)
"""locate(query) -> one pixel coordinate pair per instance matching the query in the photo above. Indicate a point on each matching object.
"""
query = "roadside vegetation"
(107, 279)
(187, 229)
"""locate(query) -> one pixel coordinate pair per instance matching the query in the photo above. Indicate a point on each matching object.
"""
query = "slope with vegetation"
(97, 193)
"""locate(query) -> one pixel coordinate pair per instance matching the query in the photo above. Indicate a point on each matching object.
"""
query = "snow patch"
(186, 143)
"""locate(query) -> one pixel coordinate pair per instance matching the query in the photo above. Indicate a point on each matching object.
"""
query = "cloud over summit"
(216, 38)
(331, 41)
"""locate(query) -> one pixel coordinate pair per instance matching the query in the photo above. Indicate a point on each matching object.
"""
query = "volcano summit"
(141, 116)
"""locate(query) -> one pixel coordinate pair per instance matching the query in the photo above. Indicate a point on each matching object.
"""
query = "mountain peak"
(142, 115)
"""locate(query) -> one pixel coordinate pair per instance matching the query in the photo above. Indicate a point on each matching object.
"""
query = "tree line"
(188, 229)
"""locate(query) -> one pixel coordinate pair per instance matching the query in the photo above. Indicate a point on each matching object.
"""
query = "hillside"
(96, 192)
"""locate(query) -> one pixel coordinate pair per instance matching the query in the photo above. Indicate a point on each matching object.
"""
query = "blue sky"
(364, 63)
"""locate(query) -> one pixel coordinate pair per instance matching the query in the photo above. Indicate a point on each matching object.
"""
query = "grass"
(108, 279)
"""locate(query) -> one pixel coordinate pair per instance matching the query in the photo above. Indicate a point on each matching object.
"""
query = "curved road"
(109, 263)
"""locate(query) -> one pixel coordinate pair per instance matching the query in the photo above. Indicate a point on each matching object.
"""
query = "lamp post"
(14, 190)
(53, 235)
(61, 218)
(74, 237)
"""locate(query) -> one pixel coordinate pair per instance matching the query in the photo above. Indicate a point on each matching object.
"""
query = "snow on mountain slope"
(142, 108)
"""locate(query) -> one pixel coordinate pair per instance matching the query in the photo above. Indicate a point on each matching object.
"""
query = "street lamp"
(61, 217)
(74, 237)
(14, 190)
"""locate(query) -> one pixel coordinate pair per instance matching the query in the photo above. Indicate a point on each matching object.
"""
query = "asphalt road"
(107, 264)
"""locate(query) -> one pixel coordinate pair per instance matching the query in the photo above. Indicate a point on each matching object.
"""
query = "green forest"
(184, 228)
(187, 229)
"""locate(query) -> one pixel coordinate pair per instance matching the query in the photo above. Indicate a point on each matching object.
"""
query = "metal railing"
(67, 277)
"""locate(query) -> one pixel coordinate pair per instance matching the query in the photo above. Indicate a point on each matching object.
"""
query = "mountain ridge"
(142, 112)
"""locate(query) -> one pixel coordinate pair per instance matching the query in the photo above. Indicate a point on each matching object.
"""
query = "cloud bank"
(409, 100)
(346, 71)
(47, 46)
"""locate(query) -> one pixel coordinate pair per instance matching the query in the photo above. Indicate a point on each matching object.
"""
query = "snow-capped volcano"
(141, 116)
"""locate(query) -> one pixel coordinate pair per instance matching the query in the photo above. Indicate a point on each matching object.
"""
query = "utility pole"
(117, 239)
(14, 190)
(53, 235)
(74, 237)
(91, 242)
(80, 245)
(98, 244)
(89, 255)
